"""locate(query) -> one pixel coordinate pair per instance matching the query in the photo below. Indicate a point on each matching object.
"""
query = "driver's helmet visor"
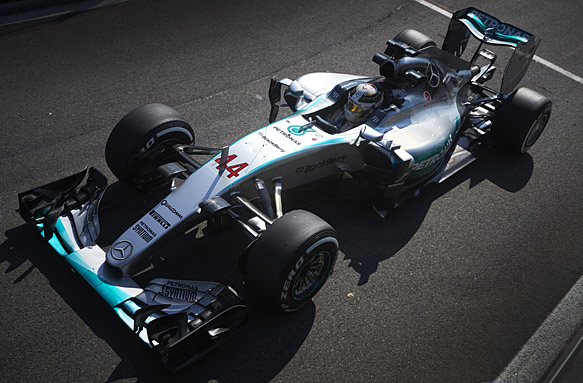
(359, 107)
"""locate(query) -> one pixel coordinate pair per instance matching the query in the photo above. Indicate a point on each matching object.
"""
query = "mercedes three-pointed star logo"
(121, 250)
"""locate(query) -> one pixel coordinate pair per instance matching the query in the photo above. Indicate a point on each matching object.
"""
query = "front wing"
(181, 320)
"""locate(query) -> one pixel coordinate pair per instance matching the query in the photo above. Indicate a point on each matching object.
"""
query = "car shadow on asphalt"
(261, 350)
(366, 239)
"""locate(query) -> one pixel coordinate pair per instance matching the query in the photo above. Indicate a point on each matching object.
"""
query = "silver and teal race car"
(426, 116)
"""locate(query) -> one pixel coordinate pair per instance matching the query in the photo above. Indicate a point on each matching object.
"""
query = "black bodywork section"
(45, 204)
(191, 318)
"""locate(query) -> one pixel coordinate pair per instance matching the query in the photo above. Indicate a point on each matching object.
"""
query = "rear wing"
(490, 30)
(484, 27)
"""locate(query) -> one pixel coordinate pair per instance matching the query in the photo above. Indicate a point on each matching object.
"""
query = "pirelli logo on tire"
(290, 277)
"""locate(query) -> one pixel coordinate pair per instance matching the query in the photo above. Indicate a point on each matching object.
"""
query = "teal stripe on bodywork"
(112, 294)
(475, 23)
(53, 241)
(69, 243)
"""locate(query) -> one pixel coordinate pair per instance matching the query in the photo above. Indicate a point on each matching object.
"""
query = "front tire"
(290, 262)
(521, 119)
(142, 141)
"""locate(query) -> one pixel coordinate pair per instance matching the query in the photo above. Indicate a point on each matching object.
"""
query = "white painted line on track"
(435, 8)
(55, 10)
(554, 67)
(536, 58)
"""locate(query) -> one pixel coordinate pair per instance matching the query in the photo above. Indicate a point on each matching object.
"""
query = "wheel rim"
(535, 131)
(311, 276)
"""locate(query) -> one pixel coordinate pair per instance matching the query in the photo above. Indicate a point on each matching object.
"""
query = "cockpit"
(412, 90)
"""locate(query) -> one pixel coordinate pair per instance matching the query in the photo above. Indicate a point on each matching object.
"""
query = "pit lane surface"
(448, 288)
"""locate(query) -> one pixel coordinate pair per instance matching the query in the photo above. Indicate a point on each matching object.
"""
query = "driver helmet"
(361, 102)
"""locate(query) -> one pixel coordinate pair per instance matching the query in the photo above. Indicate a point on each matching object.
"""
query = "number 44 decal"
(233, 169)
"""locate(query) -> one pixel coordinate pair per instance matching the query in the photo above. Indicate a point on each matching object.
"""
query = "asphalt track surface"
(447, 289)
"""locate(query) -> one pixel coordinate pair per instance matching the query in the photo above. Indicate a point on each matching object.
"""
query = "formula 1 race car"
(425, 117)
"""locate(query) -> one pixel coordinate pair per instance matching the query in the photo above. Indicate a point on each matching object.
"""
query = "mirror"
(370, 134)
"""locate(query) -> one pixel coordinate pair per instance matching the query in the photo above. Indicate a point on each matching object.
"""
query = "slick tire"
(415, 39)
(142, 141)
(521, 119)
(290, 262)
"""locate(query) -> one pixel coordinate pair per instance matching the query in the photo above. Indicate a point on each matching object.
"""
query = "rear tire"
(142, 141)
(290, 262)
(521, 119)
(415, 39)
